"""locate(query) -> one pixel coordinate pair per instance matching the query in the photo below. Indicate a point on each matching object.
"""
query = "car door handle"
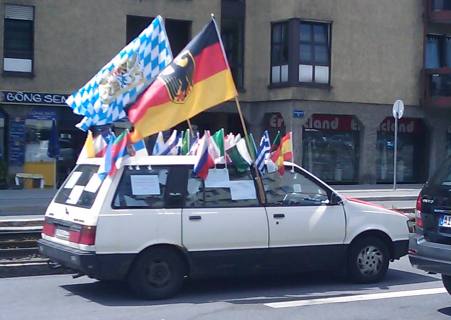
(278, 215)
(195, 217)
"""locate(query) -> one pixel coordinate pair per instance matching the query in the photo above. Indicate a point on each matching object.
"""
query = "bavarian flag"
(197, 79)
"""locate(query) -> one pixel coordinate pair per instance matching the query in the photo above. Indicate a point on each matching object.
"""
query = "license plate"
(445, 222)
(62, 234)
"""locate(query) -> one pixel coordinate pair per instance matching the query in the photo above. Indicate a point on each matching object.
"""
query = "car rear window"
(442, 177)
(81, 187)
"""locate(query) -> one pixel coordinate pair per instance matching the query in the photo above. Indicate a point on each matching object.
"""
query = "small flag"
(263, 152)
(239, 155)
(119, 152)
(186, 139)
(287, 149)
(53, 150)
(204, 161)
(88, 150)
(159, 145)
(283, 152)
(140, 149)
(194, 146)
(172, 144)
(197, 79)
(102, 100)
(216, 146)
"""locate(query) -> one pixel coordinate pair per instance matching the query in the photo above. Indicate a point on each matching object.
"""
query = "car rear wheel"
(368, 260)
(447, 282)
(157, 274)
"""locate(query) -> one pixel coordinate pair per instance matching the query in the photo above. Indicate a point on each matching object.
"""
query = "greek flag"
(263, 151)
(102, 100)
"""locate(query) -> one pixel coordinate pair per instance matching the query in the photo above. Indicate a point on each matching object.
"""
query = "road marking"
(361, 297)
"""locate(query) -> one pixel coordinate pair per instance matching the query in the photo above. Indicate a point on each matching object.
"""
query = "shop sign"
(332, 122)
(405, 125)
(275, 121)
(16, 154)
(20, 97)
(42, 114)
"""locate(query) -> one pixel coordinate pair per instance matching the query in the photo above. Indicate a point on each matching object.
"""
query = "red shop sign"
(405, 125)
(332, 122)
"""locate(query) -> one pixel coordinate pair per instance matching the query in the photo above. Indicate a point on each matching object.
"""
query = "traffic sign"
(298, 113)
(398, 109)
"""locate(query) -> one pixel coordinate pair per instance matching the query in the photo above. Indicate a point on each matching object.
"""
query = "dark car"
(430, 246)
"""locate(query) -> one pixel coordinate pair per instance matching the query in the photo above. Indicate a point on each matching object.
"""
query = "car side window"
(141, 187)
(293, 189)
(224, 187)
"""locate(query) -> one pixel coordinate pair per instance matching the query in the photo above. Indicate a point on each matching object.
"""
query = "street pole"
(395, 152)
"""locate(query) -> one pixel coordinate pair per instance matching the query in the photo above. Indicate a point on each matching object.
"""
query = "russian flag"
(204, 159)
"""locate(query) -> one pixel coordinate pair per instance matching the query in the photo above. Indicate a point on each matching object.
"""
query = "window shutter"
(19, 12)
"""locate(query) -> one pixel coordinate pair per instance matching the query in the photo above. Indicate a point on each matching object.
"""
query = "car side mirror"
(335, 199)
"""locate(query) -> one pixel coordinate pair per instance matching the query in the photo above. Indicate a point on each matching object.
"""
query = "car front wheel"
(368, 260)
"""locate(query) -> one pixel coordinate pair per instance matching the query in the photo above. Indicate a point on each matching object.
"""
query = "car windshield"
(443, 176)
(81, 187)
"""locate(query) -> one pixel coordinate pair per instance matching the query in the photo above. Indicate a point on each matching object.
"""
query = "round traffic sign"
(398, 109)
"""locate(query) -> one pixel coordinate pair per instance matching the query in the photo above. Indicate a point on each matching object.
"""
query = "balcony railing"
(437, 87)
(438, 11)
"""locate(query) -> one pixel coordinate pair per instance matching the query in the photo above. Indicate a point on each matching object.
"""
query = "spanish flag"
(197, 79)
(284, 152)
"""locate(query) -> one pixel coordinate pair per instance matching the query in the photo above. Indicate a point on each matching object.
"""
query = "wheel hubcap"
(370, 260)
(158, 273)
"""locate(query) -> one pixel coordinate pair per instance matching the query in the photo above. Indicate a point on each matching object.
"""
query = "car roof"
(146, 160)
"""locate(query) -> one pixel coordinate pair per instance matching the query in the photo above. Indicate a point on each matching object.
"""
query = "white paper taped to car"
(217, 178)
(73, 179)
(143, 185)
(94, 183)
(75, 194)
(297, 188)
(242, 190)
(193, 186)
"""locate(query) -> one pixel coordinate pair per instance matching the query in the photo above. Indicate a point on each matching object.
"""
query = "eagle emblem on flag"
(178, 77)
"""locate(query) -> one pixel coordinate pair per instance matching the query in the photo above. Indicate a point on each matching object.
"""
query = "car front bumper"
(429, 256)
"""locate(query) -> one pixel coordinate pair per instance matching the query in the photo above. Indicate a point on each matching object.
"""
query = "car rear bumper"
(102, 267)
(429, 256)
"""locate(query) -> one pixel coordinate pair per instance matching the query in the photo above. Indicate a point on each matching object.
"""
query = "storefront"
(28, 119)
(411, 155)
(331, 147)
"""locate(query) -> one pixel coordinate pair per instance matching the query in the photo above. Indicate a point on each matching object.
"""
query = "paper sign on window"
(297, 188)
(242, 190)
(73, 180)
(143, 185)
(94, 183)
(217, 178)
(75, 194)
(193, 186)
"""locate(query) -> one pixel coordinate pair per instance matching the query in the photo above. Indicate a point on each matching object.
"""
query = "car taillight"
(48, 228)
(418, 208)
(86, 235)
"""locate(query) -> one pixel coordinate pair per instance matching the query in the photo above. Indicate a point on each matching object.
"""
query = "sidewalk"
(32, 203)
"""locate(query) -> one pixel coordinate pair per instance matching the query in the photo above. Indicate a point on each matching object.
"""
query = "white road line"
(361, 297)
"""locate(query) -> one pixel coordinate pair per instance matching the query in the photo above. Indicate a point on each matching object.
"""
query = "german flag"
(197, 79)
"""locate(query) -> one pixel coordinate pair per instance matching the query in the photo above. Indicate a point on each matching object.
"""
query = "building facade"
(329, 71)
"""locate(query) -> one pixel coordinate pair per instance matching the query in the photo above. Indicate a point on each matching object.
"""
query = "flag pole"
(190, 128)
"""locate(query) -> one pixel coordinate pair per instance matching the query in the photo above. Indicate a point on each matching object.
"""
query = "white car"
(153, 224)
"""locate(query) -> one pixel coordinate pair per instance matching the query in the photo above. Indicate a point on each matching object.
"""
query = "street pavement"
(406, 293)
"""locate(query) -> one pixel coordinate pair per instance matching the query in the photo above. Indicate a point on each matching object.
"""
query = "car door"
(304, 226)
(223, 225)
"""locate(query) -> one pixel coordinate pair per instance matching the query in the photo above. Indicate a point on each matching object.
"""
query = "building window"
(314, 52)
(232, 33)
(178, 31)
(440, 5)
(300, 52)
(279, 53)
(18, 39)
(438, 51)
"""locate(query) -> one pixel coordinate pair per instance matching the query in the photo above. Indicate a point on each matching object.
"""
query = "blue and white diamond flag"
(102, 100)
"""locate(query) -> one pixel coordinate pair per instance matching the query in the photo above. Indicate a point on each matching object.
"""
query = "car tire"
(368, 260)
(157, 274)
(447, 282)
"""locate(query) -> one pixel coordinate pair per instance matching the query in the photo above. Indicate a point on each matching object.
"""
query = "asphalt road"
(406, 293)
